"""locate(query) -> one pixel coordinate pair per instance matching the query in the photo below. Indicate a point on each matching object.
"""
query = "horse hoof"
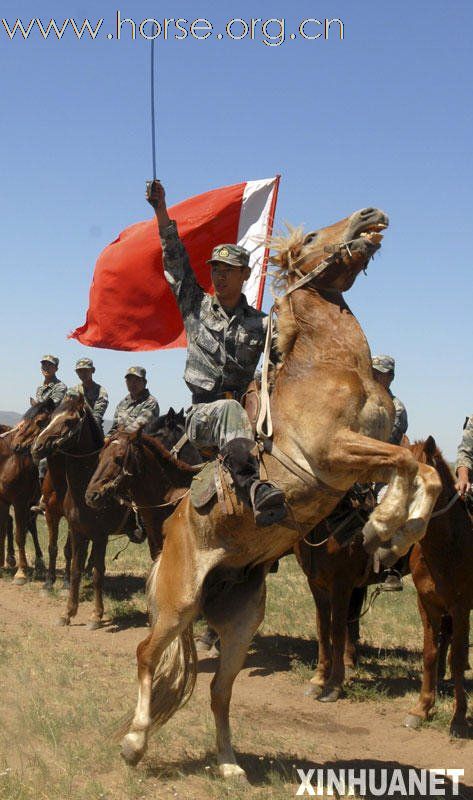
(63, 622)
(233, 772)
(10, 563)
(413, 721)
(133, 748)
(19, 581)
(312, 690)
(330, 695)
(94, 624)
(459, 730)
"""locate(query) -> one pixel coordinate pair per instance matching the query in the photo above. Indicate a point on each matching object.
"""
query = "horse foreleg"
(79, 552)
(39, 568)
(236, 616)
(52, 514)
(339, 603)
(403, 513)
(445, 637)
(97, 557)
(21, 523)
(66, 584)
(431, 619)
(324, 630)
(459, 659)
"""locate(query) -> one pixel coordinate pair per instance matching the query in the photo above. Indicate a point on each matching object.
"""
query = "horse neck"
(80, 470)
(159, 475)
(327, 330)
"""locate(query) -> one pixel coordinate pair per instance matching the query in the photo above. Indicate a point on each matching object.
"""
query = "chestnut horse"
(19, 487)
(73, 433)
(54, 484)
(329, 417)
(441, 565)
(137, 468)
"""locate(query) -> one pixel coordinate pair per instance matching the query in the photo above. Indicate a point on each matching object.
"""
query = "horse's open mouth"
(373, 233)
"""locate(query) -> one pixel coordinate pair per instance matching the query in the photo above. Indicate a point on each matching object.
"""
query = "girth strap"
(308, 477)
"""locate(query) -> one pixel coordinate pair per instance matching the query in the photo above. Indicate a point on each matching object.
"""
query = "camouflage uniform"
(96, 398)
(465, 449)
(54, 390)
(387, 364)
(134, 414)
(223, 351)
(95, 395)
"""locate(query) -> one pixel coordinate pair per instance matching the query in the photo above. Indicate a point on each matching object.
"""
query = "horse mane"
(96, 430)
(5, 428)
(418, 449)
(284, 246)
(33, 411)
(158, 449)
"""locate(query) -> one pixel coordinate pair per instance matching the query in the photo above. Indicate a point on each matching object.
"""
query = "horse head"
(34, 420)
(119, 461)
(340, 251)
(64, 426)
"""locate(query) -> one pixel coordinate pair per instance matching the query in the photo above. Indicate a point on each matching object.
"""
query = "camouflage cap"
(140, 372)
(231, 254)
(383, 363)
(85, 363)
(51, 360)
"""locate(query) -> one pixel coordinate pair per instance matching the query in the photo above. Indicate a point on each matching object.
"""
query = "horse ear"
(181, 415)
(171, 414)
(430, 446)
(33, 402)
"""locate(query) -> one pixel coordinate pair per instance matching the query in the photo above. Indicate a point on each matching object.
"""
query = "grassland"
(62, 692)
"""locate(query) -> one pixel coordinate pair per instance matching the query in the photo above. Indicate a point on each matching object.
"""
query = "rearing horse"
(330, 418)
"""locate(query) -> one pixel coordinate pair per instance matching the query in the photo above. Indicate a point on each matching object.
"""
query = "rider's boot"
(266, 500)
(134, 529)
(40, 506)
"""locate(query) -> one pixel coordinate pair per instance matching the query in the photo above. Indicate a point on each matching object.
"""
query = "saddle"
(214, 481)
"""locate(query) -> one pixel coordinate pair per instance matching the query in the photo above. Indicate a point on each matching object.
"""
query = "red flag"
(131, 306)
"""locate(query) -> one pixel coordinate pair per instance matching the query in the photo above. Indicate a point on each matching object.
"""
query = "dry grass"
(61, 695)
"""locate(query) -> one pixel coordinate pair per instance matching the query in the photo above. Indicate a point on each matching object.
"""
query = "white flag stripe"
(253, 229)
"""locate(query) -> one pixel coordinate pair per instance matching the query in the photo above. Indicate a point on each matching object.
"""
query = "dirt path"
(276, 727)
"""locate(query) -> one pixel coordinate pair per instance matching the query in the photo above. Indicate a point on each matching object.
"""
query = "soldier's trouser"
(42, 470)
(216, 424)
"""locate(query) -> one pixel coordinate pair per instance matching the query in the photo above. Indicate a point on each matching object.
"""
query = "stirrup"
(392, 582)
(271, 508)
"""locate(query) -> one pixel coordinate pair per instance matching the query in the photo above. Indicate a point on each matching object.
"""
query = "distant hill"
(12, 418)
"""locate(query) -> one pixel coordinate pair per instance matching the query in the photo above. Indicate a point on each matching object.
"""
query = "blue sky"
(382, 118)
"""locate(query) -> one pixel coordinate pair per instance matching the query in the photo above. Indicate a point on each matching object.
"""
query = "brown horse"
(19, 487)
(54, 483)
(441, 565)
(329, 416)
(136, 468)
(74, 433)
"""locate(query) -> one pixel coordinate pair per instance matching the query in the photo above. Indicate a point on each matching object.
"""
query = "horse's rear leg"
(97, 558)
(167, 661)
(431, 619)
(6, 535)
(21, 523)
(459, 659)
(66, 583)
(39, 567)
(236, 616)
(79, 552)
(339, 602)
(324, 646)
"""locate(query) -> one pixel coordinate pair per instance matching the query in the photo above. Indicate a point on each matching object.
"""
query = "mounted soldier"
(139, 407)
(225, 338)
(54, 389)
(383, 371)
(95, 395)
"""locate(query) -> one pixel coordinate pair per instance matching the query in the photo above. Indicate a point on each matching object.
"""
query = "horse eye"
(310, 238)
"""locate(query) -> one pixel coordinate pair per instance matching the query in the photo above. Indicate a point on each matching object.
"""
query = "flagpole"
(153, 111)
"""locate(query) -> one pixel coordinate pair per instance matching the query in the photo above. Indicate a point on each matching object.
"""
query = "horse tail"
(176, 672)
(174, 679)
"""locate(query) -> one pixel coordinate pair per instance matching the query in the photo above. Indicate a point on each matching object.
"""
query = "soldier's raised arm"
(177, 269)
